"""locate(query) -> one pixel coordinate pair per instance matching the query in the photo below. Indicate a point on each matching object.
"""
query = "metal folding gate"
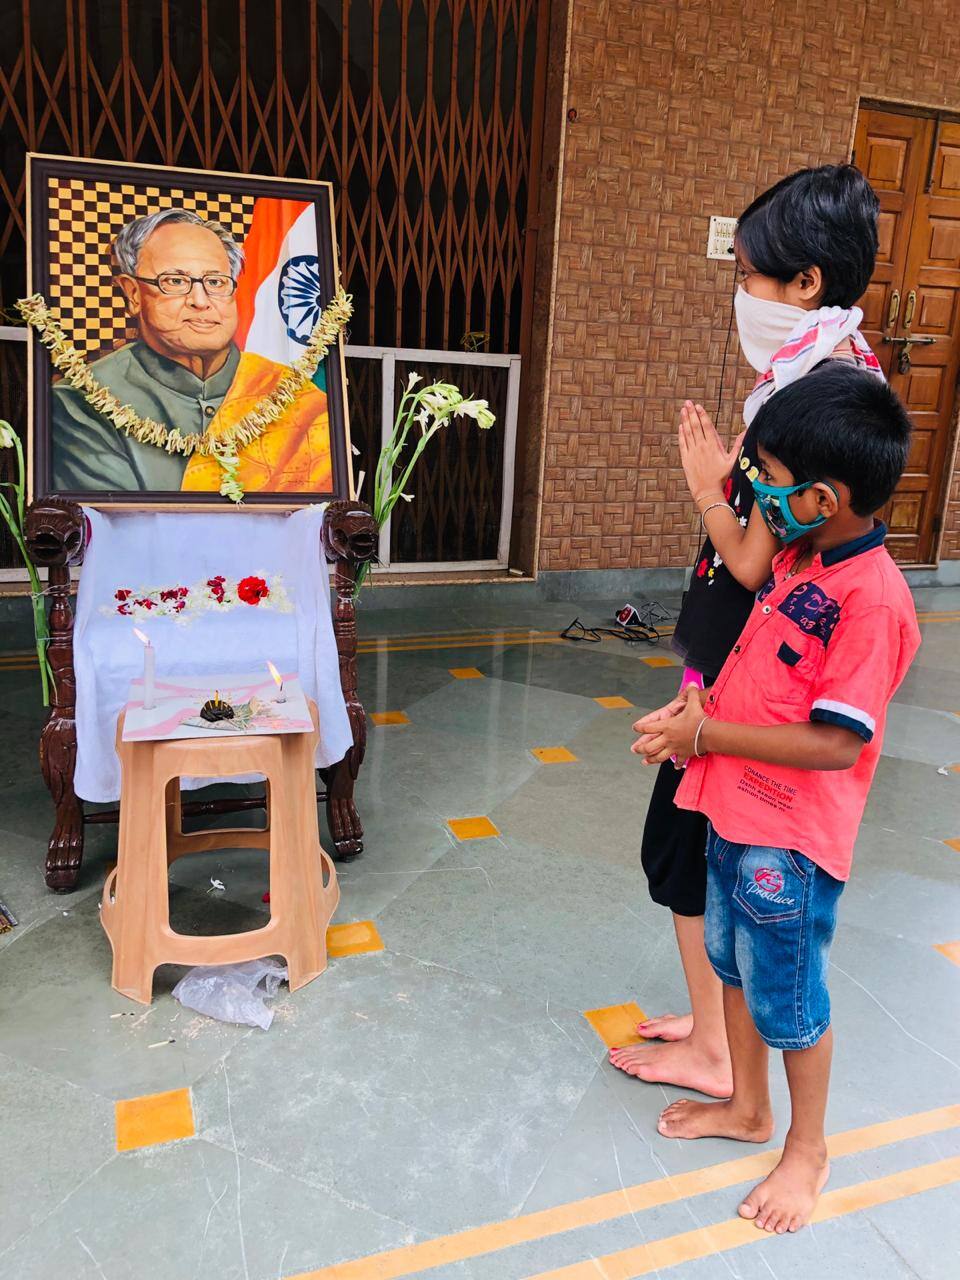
(424, 114)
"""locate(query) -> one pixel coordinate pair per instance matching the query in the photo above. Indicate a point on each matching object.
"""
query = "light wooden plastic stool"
(135, 910)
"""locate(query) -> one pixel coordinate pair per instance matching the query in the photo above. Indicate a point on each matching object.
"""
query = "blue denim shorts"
(770, 920)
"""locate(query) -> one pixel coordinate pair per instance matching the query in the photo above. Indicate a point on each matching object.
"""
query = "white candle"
(149, 670)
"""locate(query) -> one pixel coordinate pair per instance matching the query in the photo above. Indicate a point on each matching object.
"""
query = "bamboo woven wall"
(686, 108)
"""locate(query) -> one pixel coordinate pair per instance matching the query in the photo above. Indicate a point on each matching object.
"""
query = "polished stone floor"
(450, 1080)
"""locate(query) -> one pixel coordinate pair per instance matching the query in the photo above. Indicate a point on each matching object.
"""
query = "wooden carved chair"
(55, 539)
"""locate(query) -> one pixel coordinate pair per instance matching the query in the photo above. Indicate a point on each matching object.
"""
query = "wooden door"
(912, 305)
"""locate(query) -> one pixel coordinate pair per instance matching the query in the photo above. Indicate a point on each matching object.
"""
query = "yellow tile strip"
(554, 755)
(409, 644)
(379, 646)
(352, 939)
(472, 828)
(389, 717)
(497, 633)
(614, 703)
(617, 1024)
(953, 844)
(660, 662)
(466, 673)
(412, 1260)
(401, 645)
(704, 1242)
(949, 949)
(153, 1119)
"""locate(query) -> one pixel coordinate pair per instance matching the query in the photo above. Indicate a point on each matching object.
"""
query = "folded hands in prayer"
(706, 463)
(672, 730)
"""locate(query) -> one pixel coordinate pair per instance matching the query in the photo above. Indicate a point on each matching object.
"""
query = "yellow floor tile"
(472, 828)
(553, 755)
(953, 844)
(466, 673)
(352, 939)
(613, 704)
(389, 717)
(617, 1024)
(659, 662)
(153, 1119)
(949, 949)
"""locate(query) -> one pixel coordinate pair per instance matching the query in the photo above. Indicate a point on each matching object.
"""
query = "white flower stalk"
(427, 410)
(479, 410)
(14, 514)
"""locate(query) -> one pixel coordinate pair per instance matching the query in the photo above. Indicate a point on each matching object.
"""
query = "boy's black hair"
(825, 217)
(839, 423)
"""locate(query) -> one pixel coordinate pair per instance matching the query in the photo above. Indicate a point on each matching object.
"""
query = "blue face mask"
(774, 503)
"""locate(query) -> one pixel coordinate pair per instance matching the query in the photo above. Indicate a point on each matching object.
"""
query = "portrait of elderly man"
(179, 276)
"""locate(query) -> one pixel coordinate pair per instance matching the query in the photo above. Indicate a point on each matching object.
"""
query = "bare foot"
(688, 1119)
(669, 1026)
(684, 1064)
(786, 1198)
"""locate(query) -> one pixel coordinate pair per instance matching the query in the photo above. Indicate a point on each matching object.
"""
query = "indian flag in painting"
(278, 297)
(279, 302)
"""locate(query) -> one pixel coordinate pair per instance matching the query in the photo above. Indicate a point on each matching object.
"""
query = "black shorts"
(674, 848)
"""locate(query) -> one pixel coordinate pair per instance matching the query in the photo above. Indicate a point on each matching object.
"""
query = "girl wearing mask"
(805, 252)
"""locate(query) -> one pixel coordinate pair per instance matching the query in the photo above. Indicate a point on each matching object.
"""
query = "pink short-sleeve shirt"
(830, 644)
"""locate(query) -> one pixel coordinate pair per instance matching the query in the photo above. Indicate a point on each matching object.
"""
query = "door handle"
(894, 308)
(910, 308)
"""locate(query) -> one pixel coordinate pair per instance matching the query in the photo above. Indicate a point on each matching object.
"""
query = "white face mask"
(763, 326)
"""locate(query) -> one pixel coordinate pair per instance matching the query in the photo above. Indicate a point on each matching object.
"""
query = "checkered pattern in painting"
(84, 219)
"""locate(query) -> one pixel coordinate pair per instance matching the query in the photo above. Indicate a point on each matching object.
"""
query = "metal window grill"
(420, 113)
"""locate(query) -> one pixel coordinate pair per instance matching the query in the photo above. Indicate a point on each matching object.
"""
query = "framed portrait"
(182, 299)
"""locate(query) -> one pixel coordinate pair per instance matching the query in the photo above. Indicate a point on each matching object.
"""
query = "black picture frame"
(40, 169)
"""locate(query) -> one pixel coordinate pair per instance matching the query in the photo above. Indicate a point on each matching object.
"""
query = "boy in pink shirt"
(780, 754)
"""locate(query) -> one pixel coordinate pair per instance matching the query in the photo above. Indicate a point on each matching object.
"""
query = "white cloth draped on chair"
(215, 594)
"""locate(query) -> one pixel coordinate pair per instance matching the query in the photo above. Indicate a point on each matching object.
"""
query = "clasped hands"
(706, 463)
(672, 730)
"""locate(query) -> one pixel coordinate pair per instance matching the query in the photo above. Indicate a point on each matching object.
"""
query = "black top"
(716, 607)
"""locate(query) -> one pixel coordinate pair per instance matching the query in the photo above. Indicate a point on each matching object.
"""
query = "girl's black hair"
(824, 218)
(839, 423)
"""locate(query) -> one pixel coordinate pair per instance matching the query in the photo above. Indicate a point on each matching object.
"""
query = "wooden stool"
(136, 913)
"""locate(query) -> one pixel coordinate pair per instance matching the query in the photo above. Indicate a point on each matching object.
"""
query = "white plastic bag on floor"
(233, 992)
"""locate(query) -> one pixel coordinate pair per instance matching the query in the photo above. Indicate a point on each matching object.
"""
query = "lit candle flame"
(278, 679)
(141, 637)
